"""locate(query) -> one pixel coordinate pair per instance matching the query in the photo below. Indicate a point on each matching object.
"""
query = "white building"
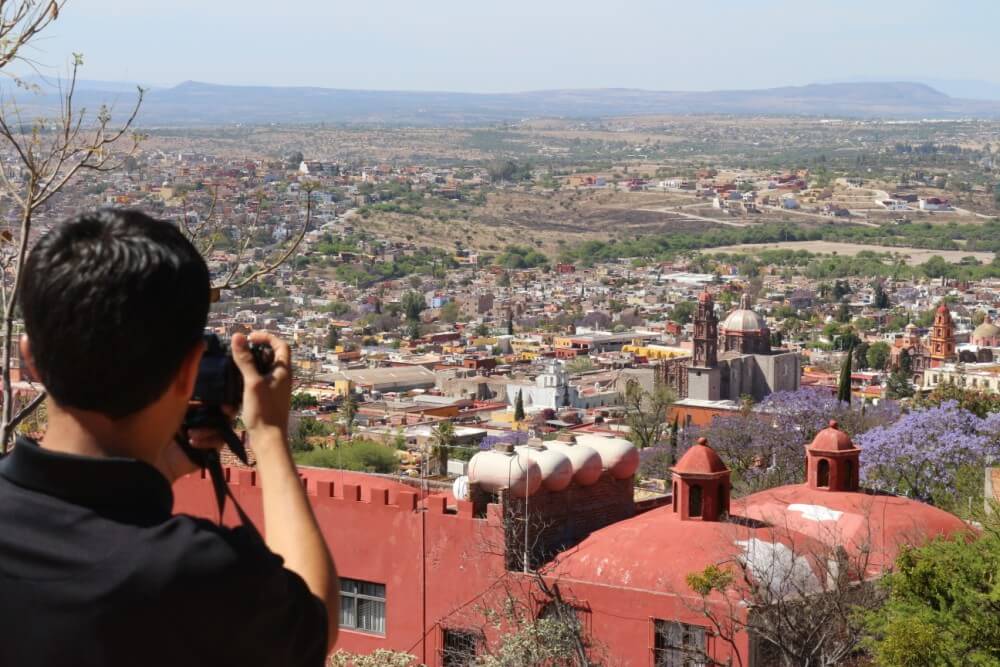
(550, 390)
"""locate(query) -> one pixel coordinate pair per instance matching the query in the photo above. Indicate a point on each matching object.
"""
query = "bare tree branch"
(27, 410)
(49, 153)
(272, 266)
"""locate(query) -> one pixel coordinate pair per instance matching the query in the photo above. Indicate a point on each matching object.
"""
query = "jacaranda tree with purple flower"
(935, 454)
(764, 444)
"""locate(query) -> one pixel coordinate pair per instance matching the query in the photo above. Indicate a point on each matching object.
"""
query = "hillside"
(194, 103)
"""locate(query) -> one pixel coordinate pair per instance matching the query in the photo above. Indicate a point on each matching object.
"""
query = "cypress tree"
(519, 407)
(844, 387)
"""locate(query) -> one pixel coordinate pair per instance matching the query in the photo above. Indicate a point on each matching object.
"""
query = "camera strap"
(210, 461)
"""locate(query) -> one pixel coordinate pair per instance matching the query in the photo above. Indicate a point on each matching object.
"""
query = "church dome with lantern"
(745, 331)
(986, 334)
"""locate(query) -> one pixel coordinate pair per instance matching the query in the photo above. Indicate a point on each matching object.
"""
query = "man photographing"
(94, 568)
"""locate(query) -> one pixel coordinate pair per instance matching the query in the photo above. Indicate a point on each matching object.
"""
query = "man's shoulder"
(192, 547)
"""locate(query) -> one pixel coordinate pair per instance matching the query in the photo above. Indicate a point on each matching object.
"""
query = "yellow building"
(655, 352)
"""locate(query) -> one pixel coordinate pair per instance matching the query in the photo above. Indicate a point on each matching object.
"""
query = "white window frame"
(351, 595)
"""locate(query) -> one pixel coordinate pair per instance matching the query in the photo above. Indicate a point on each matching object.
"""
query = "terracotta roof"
(832, 439)
(700, 460)
(655, 550)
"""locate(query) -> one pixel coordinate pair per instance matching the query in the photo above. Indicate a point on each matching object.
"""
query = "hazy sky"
(483, 45)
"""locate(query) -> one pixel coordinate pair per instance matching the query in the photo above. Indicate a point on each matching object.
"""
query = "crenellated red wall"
(377, 530)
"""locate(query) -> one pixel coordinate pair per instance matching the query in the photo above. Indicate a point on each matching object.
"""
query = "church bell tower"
(706, 333)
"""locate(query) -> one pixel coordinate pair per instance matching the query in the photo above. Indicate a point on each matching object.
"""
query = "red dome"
(705, 296)
(942, 308)
(832, 439)
(700, 460)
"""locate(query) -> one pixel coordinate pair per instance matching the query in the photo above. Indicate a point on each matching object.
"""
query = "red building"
(418, 570)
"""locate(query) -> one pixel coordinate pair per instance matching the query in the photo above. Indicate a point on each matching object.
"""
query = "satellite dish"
(460, 488)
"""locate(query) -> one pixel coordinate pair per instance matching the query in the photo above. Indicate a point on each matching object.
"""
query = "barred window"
(459, 648)
(362, 606)
(678, 644)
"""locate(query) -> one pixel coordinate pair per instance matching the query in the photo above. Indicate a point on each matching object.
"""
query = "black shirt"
(95, 571)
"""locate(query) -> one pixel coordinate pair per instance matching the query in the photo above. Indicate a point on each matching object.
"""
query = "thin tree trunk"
(8, 320)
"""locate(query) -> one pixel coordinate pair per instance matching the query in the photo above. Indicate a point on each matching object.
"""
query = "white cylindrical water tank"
(495, 471)
(557, 470)
(618, 455)
(586, 462)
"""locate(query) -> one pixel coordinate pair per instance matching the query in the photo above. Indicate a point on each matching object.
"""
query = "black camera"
(218, 395)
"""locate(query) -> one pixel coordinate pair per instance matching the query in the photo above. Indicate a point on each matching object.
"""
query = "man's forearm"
(290, 527)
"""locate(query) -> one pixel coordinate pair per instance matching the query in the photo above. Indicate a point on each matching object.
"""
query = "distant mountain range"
(193, 103)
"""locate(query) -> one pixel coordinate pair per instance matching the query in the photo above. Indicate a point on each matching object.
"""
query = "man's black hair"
(112, 303)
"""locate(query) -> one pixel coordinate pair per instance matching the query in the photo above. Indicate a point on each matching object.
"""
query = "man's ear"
(29, 361)
(188, 373)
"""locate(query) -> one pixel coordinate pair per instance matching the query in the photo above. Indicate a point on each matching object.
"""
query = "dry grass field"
(546, 220)
(913, 256)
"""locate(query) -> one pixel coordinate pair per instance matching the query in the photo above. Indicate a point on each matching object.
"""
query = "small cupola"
(701, 485)
(832, 461)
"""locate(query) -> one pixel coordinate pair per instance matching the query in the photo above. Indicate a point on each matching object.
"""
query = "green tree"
(944, 604)
(898, 385)
(519, 407)
(413, 329)
(937, 267)
(861, 355)
(332, 337)
(843, 313)
(359, 455)
(846, 340)
(877, 355)
(646, 413)
(896, 322)
(844, 385)
(674, 433)
(976, 401)
(682, 312)
(906, 363)
(450, 312)
(880, 299)
(442, 440)
(295, 159)
(413, 305)
(308, 427)
(303, 401)
(348, 412)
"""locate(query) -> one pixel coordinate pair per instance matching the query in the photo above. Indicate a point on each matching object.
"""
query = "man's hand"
(175, 463)
(267, 398)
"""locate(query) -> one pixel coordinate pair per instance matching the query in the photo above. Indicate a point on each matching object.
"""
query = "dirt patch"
(913, 256)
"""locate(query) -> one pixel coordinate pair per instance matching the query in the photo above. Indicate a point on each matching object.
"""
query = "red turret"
(832, 461)
(701, 485)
